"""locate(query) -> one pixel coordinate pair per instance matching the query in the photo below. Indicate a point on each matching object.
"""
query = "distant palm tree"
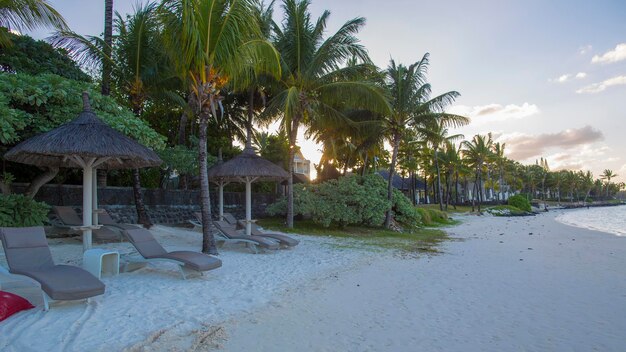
(608, 175)
(27, 15)
(500, 159)
(313, 86)
(477, 152)
(412, 106)
(436, 135)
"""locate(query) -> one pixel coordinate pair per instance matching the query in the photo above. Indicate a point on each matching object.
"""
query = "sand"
(502, 284)
(508, 284)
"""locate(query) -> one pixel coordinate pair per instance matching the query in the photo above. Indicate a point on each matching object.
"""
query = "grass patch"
(459, 208)
(506, 210)
(419, 240)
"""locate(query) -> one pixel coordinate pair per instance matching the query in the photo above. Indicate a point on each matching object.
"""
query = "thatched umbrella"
(246, 167)
(86, 143)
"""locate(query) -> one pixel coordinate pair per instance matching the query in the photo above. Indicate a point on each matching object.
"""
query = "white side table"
(100, 262)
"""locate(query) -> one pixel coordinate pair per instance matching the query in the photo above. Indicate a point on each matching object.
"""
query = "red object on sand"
(11, 304)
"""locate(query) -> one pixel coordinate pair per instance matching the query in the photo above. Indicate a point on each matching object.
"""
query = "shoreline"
(509, 284)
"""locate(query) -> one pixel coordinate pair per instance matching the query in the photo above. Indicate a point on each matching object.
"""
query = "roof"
(401, 183)
(247, 164)
(85, 137)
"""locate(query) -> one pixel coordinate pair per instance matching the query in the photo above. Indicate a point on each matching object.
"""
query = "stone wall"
(164, 206)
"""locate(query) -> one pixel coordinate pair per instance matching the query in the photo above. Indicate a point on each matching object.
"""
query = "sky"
(548, 78)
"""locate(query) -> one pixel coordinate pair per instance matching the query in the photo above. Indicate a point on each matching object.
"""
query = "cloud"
(524, 146)
(611, 56)
(602, 86)
(495, 112)
(568, 77)
(584, 49)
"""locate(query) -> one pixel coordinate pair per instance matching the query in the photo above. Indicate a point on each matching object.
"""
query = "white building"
(301, 165)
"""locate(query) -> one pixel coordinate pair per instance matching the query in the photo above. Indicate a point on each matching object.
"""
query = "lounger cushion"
(26, 248)
(65, 282)
(11, 303)
(230, 232)
(283, 239)
(145, 243)
(194, 260)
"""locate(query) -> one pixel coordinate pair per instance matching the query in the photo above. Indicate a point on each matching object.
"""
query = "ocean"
(605, 219)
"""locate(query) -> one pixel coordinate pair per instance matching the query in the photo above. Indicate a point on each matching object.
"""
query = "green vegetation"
(506, 210)
(34, 57)
(417, 240)
(520, 203)
(434, 217)
(348, 200)
(20, 211)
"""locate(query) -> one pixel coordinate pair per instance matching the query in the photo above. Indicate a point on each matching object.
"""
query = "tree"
(477, 152)
(500, 159)
(26, 15)
(210, 42)
(412, 106)
(436, 134)
(34, 57)
(312, 86)
(608, 175)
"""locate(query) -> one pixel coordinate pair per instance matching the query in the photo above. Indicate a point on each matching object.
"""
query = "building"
(301, 166)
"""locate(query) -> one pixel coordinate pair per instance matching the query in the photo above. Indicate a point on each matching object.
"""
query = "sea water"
(605, 219)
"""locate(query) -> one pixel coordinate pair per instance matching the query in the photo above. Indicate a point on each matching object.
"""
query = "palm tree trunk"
(456, 189)
(142, 215)
(364, 164)
(293, 135)
(392, 169)
(108, 40)
(438, 179)
(208, 241)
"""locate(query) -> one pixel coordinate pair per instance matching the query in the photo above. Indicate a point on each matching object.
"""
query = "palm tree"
(27, 15)
(477, 152)
(608, 175)
(210, 42)
(412, 106)
(499, 159)
(435, 133)
(312, 86)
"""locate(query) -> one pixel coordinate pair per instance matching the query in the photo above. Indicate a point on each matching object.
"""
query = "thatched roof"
(86, 137)
(247, 164)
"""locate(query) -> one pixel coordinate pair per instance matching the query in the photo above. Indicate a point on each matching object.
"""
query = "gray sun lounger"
(283, 240)
(105, 218)
(229, 233)
(28, 254)
(188, 261)
(70, 220)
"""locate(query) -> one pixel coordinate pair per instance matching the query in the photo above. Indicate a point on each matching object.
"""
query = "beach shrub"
(425, 216)
(520, 202)
(348, 200)
(17, 210)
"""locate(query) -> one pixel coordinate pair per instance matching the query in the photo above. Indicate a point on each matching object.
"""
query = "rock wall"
(163, 206)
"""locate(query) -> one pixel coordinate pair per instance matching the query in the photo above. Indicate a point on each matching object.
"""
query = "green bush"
(17, 210)
(425, 216)
(348, 200)
(438, 216)
(520, 202)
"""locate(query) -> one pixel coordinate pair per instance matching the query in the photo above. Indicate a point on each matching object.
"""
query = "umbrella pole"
(94, 192)
(87, 205)
(248, 206)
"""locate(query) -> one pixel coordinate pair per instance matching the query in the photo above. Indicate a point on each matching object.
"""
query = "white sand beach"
(504, 284)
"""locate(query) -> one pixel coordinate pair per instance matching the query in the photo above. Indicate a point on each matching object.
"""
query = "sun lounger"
(70, 220)
(27, 253)
(105, 218)
(284, 241)
(229, 233)
(188, 261)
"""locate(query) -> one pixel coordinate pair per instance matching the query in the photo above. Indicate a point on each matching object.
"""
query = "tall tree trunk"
(456, 189)
(439, 193)
(208, 241)
(108, 40)
(142, 215)
(392, 169)
(293, 136)
(364, 164)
